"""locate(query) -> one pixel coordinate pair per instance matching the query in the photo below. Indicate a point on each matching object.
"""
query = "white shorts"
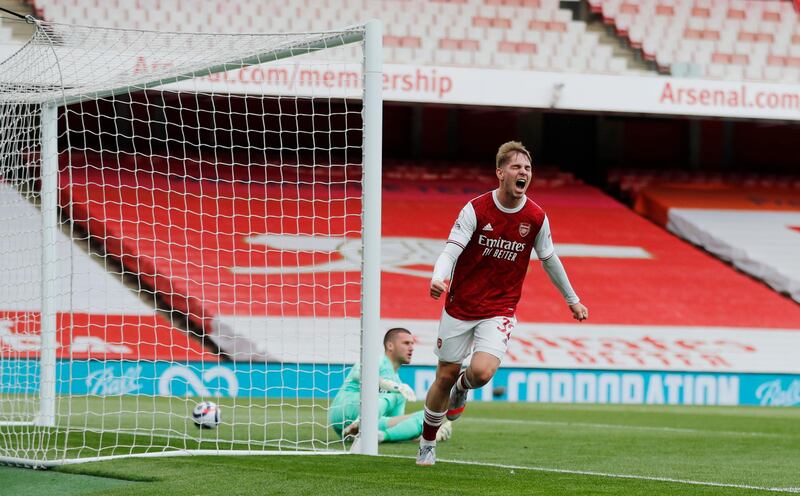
(456, 337)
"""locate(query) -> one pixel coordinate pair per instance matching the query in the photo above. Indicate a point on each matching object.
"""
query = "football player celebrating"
(485, 260)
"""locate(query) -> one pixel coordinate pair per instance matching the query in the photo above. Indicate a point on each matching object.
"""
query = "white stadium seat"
(617, 65)
(715, 71)
(772, 73)
(671, 31)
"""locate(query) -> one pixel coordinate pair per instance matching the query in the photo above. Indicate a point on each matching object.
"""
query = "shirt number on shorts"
(506, 326)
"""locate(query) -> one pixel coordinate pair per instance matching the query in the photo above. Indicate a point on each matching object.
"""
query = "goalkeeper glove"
(403, 389)
(407, 392)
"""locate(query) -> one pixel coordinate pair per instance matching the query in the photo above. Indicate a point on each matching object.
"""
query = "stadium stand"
(523, 34)
(754, 40)
(619, 242)
(629, 183)
(105, 319)
(754, 228)
(726, 39)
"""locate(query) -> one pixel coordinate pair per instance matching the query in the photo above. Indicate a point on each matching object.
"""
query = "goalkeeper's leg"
(390, 407)
(402, 428)
(343, 412)
(408, 427)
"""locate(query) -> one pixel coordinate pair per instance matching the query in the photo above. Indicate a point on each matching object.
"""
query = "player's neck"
(395, 364)
(507, 200)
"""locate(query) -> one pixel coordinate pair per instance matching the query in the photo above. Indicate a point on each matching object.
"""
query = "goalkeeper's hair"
(392, 333)
(508, 149)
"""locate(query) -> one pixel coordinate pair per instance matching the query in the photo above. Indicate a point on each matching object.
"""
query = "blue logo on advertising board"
(772, 393)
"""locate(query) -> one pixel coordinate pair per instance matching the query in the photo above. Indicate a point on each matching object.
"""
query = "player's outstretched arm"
(555, 271)
(558, 276)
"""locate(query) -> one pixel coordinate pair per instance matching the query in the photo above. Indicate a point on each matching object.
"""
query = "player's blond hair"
(508, 149)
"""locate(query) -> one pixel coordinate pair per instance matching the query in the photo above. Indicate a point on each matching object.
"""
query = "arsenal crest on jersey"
(524, 229)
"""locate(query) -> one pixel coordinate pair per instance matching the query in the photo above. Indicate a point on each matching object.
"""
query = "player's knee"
(481, 377)
(447, 380)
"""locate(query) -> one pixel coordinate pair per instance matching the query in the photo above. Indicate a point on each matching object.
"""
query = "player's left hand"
(407, 392)
(437, 288)
(579, 312)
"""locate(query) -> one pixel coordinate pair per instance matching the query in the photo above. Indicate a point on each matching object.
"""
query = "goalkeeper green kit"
(345, 407)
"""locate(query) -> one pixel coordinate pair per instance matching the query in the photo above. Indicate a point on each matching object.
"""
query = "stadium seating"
(719, 39)
(628, 183)
(190, 261)
(524, 34)
(726, 39)
(97, 316)
(753, 227)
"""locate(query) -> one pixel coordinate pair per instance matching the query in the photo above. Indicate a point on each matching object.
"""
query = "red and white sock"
(430, 425)
(462, 384)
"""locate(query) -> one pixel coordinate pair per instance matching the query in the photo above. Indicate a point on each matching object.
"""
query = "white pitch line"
(619, 426)
(790, 490)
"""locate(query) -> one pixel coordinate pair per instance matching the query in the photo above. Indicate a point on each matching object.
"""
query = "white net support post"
(373, 118)
(48, 195)
(183, 220)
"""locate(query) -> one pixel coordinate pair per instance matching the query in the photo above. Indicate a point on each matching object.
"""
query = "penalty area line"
(592, 473)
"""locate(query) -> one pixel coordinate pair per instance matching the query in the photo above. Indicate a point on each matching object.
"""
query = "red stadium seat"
(736, 14)
(464, 44)
(665, 10)
(776, 61)
(411, 42)
(721, 58)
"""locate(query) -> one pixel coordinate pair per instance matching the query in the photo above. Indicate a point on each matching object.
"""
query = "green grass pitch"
(497, 448)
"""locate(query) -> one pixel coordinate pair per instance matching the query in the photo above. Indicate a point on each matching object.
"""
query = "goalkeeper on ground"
(393, 423)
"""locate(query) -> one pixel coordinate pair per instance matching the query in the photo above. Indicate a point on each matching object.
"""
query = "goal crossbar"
(63, 95)
(322, 43)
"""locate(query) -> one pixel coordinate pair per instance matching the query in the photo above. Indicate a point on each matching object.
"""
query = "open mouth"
(521, 183)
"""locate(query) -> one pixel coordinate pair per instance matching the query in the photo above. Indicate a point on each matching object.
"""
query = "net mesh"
(208, 239)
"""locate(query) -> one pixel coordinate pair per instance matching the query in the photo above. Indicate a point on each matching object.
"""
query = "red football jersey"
(488, 275)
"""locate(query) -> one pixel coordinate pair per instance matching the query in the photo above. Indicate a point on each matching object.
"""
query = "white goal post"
(172, 207)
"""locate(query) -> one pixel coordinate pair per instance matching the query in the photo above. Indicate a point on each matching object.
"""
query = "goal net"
(183, 219)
